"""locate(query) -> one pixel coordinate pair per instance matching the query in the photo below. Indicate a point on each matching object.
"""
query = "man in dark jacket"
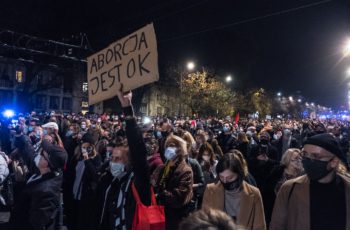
(39, 204)
(128, 165)
(226, 139)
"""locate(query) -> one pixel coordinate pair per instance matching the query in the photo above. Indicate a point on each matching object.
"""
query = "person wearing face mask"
(208, 162)
(82, 179)
(226, 139)
(38, 207)
(234, 196)
(261, 163)
(285, 142)
(320, 199)
(173, 182)
(127, 166)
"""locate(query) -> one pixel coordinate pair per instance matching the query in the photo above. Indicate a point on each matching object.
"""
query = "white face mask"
(206, 158)
(170, 153)
(83, 126)
(84, 151)
(37, 160)
(116, 168)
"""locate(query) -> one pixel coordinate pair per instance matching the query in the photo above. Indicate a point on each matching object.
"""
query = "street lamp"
(190, 65)
(346, 48)
(291, 98)
(228, 79)
(279, 94)
(299, 100)
(312, 104)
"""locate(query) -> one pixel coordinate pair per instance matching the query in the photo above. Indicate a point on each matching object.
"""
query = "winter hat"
(52, 125)
(57, 155)
(329, 143)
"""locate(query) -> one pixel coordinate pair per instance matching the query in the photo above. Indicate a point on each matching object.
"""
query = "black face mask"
(315, 169)
(264, 142)
(231, 185)
(164, 134)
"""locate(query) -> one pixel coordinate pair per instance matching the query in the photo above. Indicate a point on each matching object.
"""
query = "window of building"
(67, 103)
(84, 104)
(40, 102)
(85, 87)
(19, 76)
(54, 102)
(143, 108)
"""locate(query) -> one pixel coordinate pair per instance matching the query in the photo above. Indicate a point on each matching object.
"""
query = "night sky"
(296, 50)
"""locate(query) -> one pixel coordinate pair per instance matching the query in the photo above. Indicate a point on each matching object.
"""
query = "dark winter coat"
(38, 206)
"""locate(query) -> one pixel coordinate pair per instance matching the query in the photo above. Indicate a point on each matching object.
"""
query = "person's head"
(119, 159)
(291, 160)
(242, 137)
(226, 128)
(208, 219)
(50, 128)
(42, 163)
(200, 138)
(230, 171)
(242, 159)
(152, 146)
(50, 159)
(206, 153)
(322, 156)
(175, 148)
(190, 142)
(264, 138)
(83, 125)
(32, 125)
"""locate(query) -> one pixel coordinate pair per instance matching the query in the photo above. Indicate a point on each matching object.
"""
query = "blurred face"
(87, 148)
(227, 176)
(43, 162)
(120, 155)
(316, 153)
(295, 161)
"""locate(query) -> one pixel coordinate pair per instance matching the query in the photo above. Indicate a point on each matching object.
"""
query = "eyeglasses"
(316, 156)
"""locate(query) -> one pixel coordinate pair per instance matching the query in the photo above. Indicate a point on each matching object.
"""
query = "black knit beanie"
(329, 143)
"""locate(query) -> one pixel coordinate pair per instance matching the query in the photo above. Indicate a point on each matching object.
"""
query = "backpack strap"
(137, 196)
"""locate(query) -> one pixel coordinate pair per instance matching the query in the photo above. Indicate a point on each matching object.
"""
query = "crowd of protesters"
(78, 170)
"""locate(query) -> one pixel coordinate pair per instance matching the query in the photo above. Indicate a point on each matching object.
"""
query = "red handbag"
(148, 217)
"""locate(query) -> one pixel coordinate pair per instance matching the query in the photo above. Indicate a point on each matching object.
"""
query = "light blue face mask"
(116, 168)
(69, 133)
(225, 129)
(170, 153)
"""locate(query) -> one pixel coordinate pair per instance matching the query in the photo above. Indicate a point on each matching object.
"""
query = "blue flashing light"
(9, 113)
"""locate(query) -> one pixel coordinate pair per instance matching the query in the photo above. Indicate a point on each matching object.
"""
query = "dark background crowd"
(76, 170)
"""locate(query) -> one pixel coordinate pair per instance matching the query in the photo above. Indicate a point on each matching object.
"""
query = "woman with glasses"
(290, 167)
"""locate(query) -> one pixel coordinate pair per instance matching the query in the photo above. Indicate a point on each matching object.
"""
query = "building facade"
(161, 100)
(42, 89)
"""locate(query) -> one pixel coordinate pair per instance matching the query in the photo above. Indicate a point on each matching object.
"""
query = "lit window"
(85, 87)
(19, 76)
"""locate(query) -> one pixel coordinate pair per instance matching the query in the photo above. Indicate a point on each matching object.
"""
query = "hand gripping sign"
(132, 61)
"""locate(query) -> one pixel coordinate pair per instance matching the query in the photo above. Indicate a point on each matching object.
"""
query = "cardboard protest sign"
(132, 61)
